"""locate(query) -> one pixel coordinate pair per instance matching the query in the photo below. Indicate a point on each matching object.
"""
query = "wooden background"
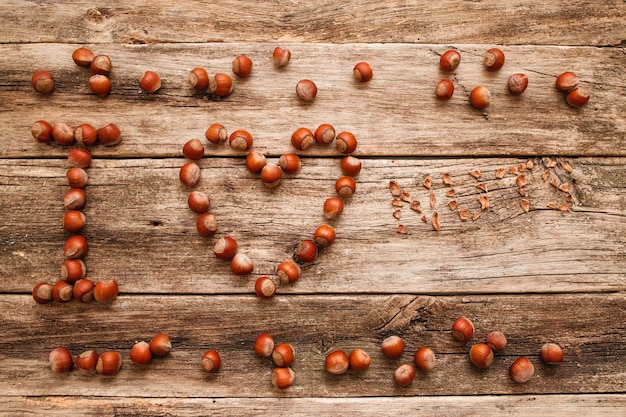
(546, 275)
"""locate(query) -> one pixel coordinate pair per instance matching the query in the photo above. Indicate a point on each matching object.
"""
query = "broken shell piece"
(551, 163)
(525, 205)
(416, 206)
(453, 205)
(447, 179)
(463, 214)
(564, 207)
(397, 214)
(566, 166)
(450, 192)
(396, 203)
(545, 175)
(530, 164)
(521, 192)
(476, 174)
(564, 188)
(402, 229)
(424, 219)
(428, 182)
(521, 167)
(435, 222)
(555, 182)
(521, 181)
(475, 216)
(395, 189)
(512, 169)
(500, 172)
(551, 205)
(405, 197)
(484, 202)
(432, 199)
(482, 186)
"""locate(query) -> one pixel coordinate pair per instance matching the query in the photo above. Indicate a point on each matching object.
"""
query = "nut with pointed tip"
(141, 353)
(42, 82)
(61, 360)
(62, 292)
(109, 134)
(496, 341)
(75, 247)
(481, 355)
(216, 133)
(302, 139)
(41, 131)
(281, 56)
(240, 140)
(106, 290)
(72, 270)
(225, 248)
(199, 79)
(241, 264)
(264, 287)
(345, 186)
(42, 293)
(283, 378)
(404, 374)
(359, 360)
(82, 56)
(449, 60)
(255, 161)
(264, 345)
(494, 59)
(77, 177)
(109, 363)
(283, 355)
(211, 361)
(198, 202)
(324, 134)
(206, 224)
(424, 359)
(551, 354)
(363, 72)
(83, 290)
(346, 142)
(221, 84)
(517, 83)
(289, 163)
(462, 329)
(86, 135)
(392, 346)
(160, 344)
(100, 85)
(193, 149)
(79, 157)
(480, 97)
(578, 97)
(190, 174)
(324, 235)
(521, 370)
(333, 207)
(351, 165)
(271, 175)
(242, 66)
(63, 134)
(73, 220)
(86, 362)
(444, 90)
(336, 362)
(567, 81)
(100, 64)
(306, 90)
(306, 251)
(288, 271)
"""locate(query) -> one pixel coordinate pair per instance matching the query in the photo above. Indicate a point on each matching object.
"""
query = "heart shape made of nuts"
(271, 174)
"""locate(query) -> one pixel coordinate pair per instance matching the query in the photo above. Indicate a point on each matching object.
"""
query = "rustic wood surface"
(552, 274)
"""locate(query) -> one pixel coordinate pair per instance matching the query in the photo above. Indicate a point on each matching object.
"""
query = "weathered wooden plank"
(506, 22)
(396, 114)
(142, 233)
(600, 405)
(584, 325)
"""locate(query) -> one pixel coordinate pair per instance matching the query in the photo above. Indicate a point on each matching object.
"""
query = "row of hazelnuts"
(480, 97)
(90, 362)
(220, 84)
(307, 250)
(73, 284)
(481, 355)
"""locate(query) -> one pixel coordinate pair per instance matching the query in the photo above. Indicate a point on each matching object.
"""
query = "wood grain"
(503, 22)
(600, 405)
(142, 233)
(396, 114)
(585, 325)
